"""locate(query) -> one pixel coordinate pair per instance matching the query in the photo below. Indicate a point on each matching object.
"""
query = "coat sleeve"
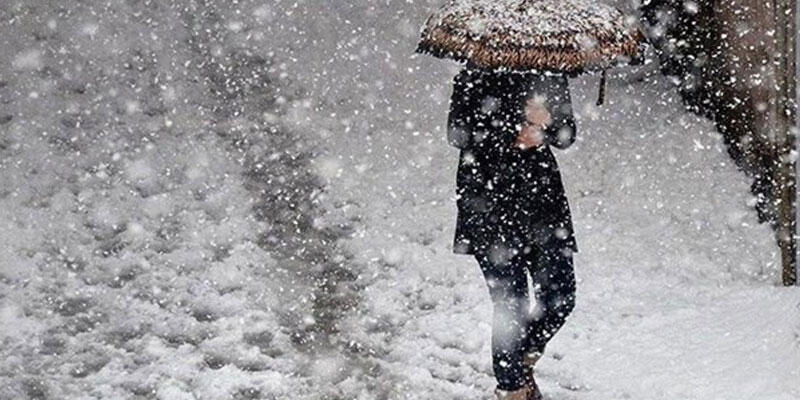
(459, 132)
(561, 131)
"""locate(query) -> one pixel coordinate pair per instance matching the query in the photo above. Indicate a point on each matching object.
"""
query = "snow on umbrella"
(569, 36)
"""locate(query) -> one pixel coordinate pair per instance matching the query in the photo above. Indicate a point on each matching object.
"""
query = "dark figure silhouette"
(513, 214)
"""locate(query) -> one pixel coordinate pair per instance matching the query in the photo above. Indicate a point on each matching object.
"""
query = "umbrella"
(568, 36)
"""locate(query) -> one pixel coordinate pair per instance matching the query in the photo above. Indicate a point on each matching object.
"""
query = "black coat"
(508, 198)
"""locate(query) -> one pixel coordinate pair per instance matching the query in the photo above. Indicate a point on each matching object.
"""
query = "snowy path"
(158, 234)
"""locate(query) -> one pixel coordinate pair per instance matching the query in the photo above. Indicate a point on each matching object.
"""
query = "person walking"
(513, 215)
(510, 104)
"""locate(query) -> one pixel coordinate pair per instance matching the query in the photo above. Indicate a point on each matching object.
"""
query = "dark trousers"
(520, 326)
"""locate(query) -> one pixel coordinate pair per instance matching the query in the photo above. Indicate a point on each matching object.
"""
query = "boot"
(533, 390)
(522, 393)
(528, 362)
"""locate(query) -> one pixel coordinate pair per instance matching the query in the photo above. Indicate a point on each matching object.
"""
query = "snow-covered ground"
(158, 233)
(165, 237)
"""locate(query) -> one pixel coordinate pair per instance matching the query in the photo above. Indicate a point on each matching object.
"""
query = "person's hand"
(537, 118)
(529, 136)
(536, 112)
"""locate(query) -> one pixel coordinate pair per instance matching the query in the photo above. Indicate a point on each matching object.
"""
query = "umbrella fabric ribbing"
(557, 35)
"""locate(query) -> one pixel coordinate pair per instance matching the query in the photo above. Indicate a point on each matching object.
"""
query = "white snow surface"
(131, 261)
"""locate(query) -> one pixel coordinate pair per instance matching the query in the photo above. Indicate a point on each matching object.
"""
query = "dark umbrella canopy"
(557, 35)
